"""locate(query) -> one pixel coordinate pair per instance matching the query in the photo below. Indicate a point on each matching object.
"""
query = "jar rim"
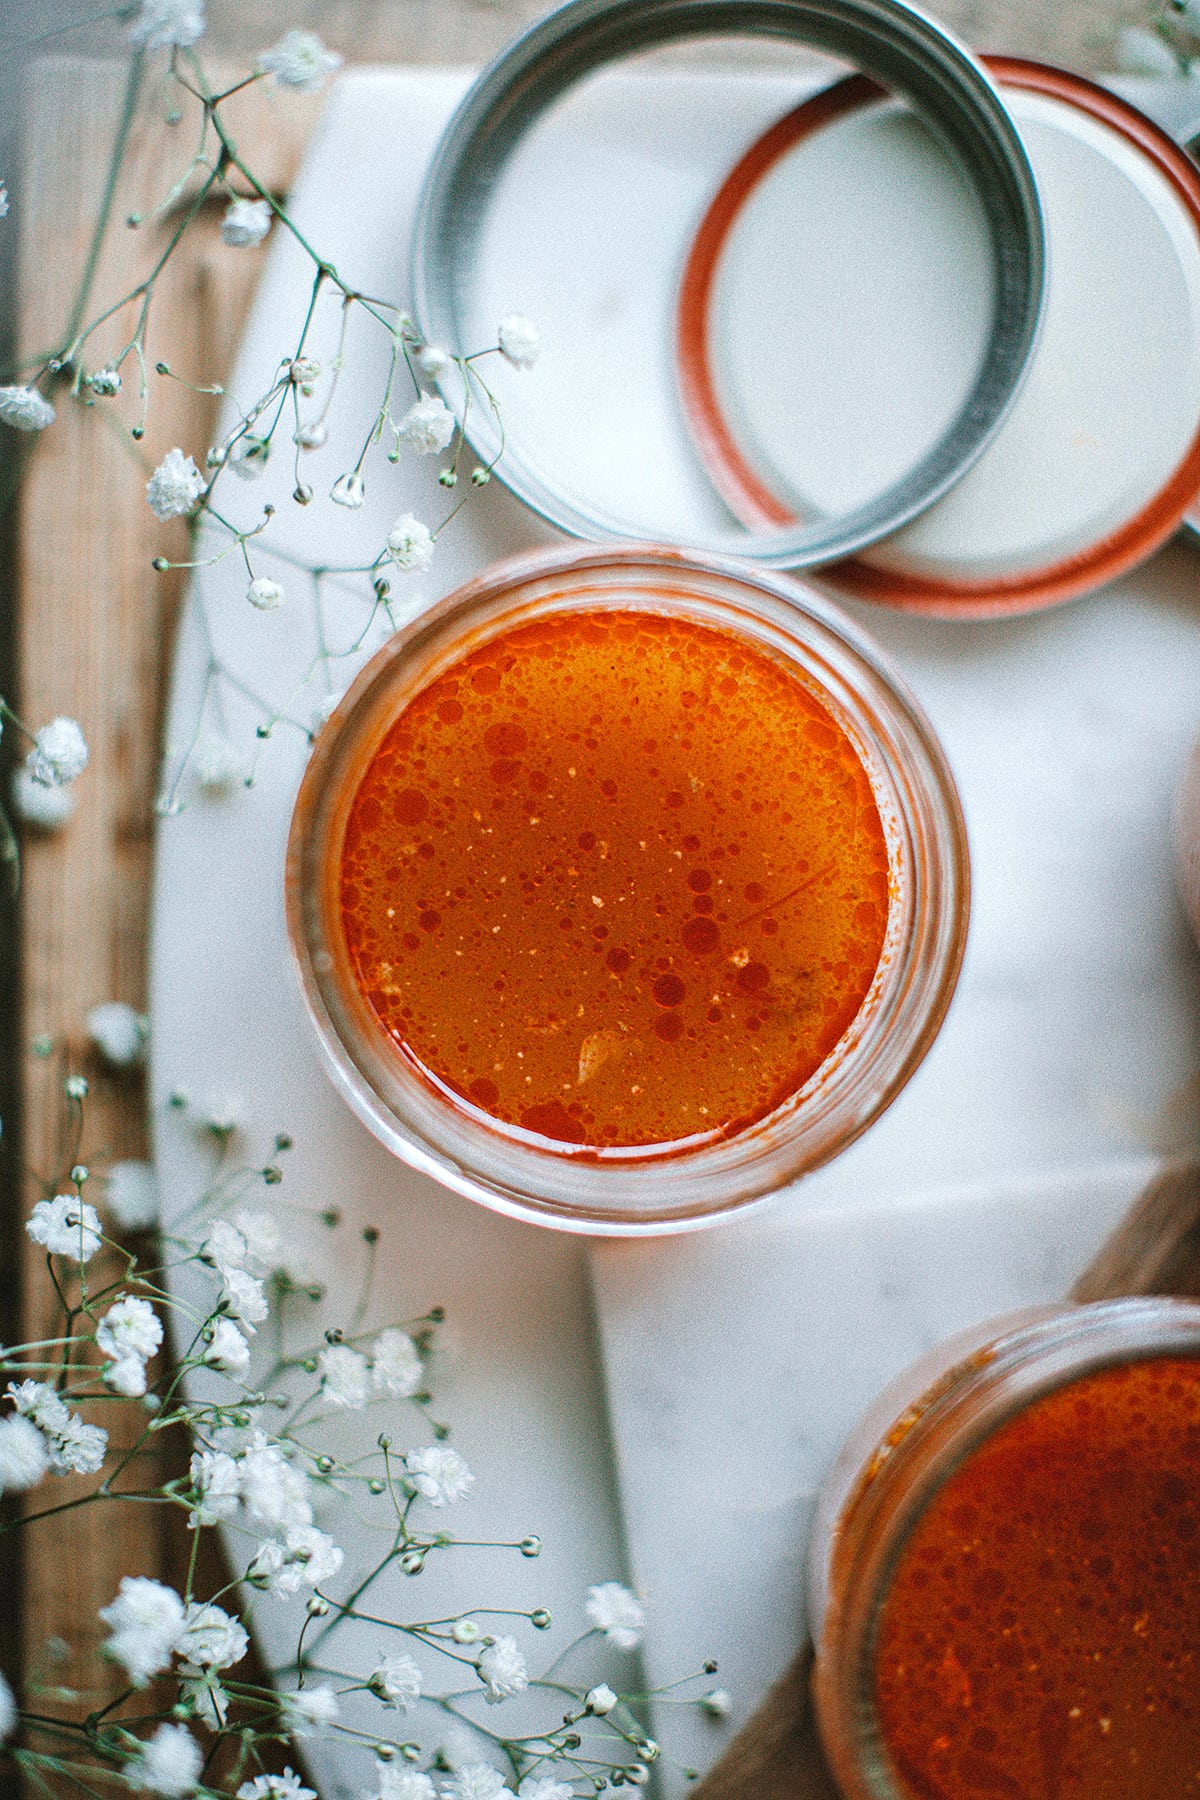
(581, 1188)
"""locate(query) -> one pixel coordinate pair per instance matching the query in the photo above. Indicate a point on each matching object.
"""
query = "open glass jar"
(664, 610)
(1005, 1565)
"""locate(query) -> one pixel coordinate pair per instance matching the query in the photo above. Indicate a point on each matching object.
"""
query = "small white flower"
(118, 1032)
(427, 426)
(475, 1781)
(619, 1614)
(465, 1631)
(345, 1377)
(439, 1474)
(397, 1681)
(304, 372)
(59, 754)
(265, 593)
(216, 1480)
(300, 60)
(274, 1493)
(716, 1703)
(77, 1448)
(246, 222)
(348, 491)
(398, 1781)
(23, 1455)
(1142, 52)
(38, 1401)
(145, 1618)
(501, 1668)
(46, 807)
(130, 1328)
(217, 764)
(544, 1787)
(520, 341)
(131, 1195)
(72, 1446)
(243, 1296)
(433, 362)
(126, 1376)
(410, 543)
(211, 1638)
(104, 382)
(67, 1226)
(227, 1350)
(167, 24)
(307, 1711)
(600, 1700)
(287, 1786)
(262, 1240)
(396, 1367)
(3, 215)
(175, 486)
(306, 1558)
(224, 1247)
(24, 409)
(312, 437)
(8, 1703)
(169, 1763)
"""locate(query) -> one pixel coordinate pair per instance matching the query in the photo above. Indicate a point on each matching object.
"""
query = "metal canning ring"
(898, 46)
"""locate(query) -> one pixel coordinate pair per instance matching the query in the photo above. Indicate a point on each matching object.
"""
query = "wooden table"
(96, 622)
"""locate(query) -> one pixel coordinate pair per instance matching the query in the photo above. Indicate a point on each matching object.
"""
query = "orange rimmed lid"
(1098, 460)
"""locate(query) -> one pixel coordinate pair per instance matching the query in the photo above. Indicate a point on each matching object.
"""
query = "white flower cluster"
(246, 223)
(299, 60)
(243, 1255)
(69, 1446)
(25, 409)
(129, 1334)
(264, 1491)
(396, 1680)
(501, 1668)
(119, 1033)
(619, 1614)
(438, 1474)
(150, 1625)
(59, 755)
(175, 486)
(67, 1226)
(47, 808)
(427, 426)
(167, 24)
(349, 1378)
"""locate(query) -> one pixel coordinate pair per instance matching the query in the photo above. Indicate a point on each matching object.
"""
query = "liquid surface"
(1039, 1639)
(618, 879)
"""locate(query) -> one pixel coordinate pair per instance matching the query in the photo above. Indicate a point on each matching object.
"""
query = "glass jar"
(919, 1436)
(643, 1188)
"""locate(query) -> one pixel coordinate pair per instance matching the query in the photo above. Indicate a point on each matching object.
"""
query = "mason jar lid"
(568, 187)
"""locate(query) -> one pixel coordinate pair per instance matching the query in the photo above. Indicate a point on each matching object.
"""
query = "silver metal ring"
(907, 52)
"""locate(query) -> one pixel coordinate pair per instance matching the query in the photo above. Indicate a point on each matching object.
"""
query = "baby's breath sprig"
(190, 484)
(251, 1415)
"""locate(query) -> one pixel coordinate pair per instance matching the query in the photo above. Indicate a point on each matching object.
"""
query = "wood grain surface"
(95, 643)
(95, 622)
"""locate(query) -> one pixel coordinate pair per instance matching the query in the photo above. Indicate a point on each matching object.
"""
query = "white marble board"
(1066, 1057)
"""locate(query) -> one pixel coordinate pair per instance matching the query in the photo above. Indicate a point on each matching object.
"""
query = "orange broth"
(616, 878)
(1039, 1638)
